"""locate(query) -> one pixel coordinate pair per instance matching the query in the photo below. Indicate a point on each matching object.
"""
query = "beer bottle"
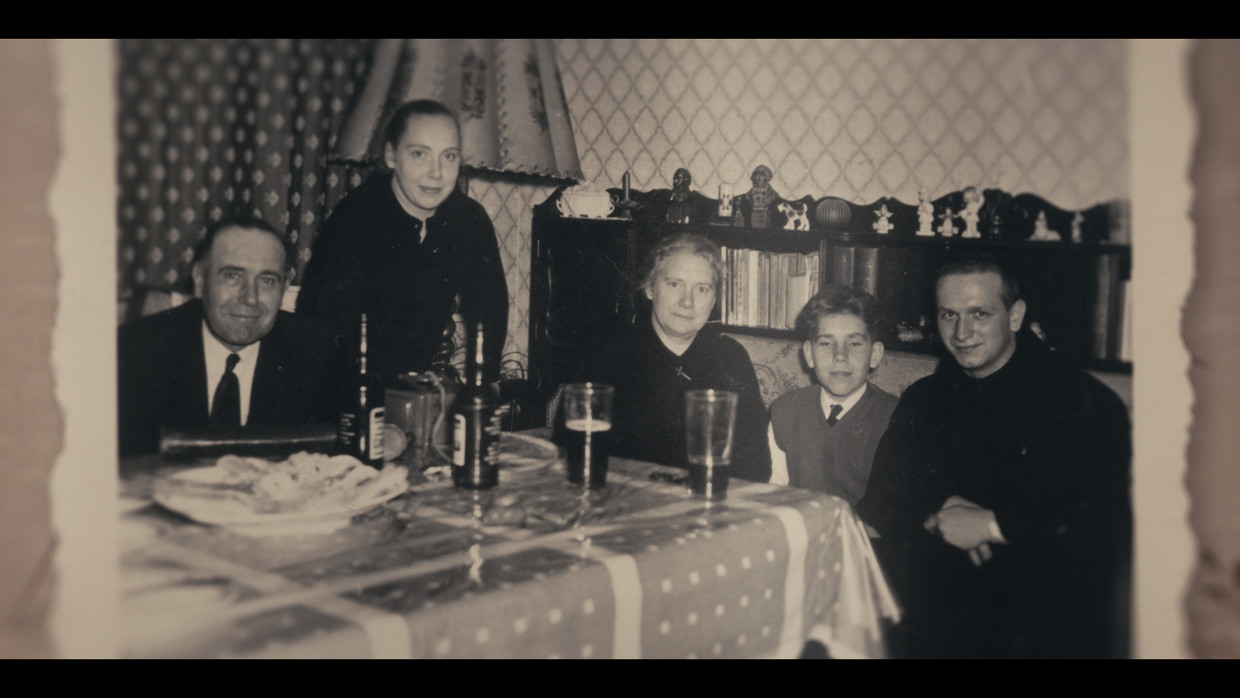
(361, 418)
(476, 419)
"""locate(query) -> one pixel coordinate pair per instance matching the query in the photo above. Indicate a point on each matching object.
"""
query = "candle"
(625, 184)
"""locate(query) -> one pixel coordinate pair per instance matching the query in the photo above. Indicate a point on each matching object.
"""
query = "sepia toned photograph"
(620, 348)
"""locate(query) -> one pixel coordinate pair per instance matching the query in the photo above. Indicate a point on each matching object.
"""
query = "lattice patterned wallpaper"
(511, 209)
(858, 119)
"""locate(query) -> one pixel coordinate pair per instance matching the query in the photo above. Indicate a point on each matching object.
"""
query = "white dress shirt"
(779, 459)
(217, 359)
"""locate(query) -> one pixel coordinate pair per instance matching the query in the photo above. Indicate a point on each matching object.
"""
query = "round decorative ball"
(832, 212)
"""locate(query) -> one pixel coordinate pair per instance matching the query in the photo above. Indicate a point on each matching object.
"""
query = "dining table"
(533, 568)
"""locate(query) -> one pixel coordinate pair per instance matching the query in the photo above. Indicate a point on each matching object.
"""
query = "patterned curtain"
(216, 127)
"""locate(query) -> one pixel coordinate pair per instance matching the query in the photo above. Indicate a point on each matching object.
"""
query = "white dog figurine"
(795, 213)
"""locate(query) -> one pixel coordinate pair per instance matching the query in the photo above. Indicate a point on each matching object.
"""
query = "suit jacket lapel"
(194, 374)
(267, 398)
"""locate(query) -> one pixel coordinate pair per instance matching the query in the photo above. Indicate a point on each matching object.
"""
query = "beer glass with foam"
(587, 422)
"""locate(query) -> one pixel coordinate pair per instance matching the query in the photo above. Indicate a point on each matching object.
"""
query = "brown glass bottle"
(360, 433)
(476, 419)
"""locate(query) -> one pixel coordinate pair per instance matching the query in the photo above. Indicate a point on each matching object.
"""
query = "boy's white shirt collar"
(216, 355)
(827, 399)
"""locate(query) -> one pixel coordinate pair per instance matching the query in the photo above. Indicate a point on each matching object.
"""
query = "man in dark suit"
(1001, 490)
(230, 357)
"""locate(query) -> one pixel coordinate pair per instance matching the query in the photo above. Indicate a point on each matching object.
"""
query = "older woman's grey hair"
(692, 244)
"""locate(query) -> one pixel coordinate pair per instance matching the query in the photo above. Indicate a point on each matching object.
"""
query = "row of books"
(767, 289)
(856, 267)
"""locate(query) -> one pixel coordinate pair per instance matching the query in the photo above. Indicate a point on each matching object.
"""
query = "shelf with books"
(1073, 267)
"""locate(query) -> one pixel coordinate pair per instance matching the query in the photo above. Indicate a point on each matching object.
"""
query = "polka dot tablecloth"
(533, 569)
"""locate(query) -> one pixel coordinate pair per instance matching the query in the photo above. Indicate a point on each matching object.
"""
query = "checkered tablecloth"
(533, 568)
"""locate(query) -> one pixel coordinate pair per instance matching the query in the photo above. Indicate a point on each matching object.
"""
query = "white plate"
(236, 515)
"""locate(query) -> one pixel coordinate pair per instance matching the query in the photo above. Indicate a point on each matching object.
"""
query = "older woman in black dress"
(669, 350)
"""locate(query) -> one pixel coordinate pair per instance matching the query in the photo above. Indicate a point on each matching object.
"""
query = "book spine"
(755, 260)
(764, 296)
(865, 273)
(1115, 310)
(842, 268)
(742, 287)
(1125, 346)
(1102, 283)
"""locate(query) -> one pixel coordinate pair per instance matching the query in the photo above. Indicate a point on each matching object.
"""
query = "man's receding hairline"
(286, 263)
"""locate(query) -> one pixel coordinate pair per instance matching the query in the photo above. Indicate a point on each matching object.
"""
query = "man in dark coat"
(176, 370)
(1001, 491)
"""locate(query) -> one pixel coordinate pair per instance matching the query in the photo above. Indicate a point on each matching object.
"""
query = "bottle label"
(493, 429)
(458, 440)
(347, 433)
(376, 433)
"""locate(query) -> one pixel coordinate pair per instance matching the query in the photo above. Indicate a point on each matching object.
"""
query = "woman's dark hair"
(418, 107)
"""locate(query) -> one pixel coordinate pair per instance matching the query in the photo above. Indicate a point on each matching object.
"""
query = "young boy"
(823, 437)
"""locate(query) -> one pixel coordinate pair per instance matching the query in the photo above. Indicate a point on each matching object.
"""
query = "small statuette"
(679, 208)
(925, 214)
(795, 213)
(725, 200)
(883, 224)
(760, 197)
(948, 229)
(1043, 232)
(972, 205)
(1077, 220)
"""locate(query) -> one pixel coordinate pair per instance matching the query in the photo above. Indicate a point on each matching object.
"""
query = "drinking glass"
(587, 421)
(710, 418)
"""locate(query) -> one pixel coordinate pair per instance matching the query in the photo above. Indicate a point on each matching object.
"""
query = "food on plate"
(303, 482)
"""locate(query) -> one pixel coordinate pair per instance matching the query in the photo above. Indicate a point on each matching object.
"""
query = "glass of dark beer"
(587, 422)
(710, 417)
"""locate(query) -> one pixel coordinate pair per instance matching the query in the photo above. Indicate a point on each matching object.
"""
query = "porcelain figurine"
(1041, 231)
(883, 224)
(972, 207)
(795, 213)
(948, 229)
(925, 213)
